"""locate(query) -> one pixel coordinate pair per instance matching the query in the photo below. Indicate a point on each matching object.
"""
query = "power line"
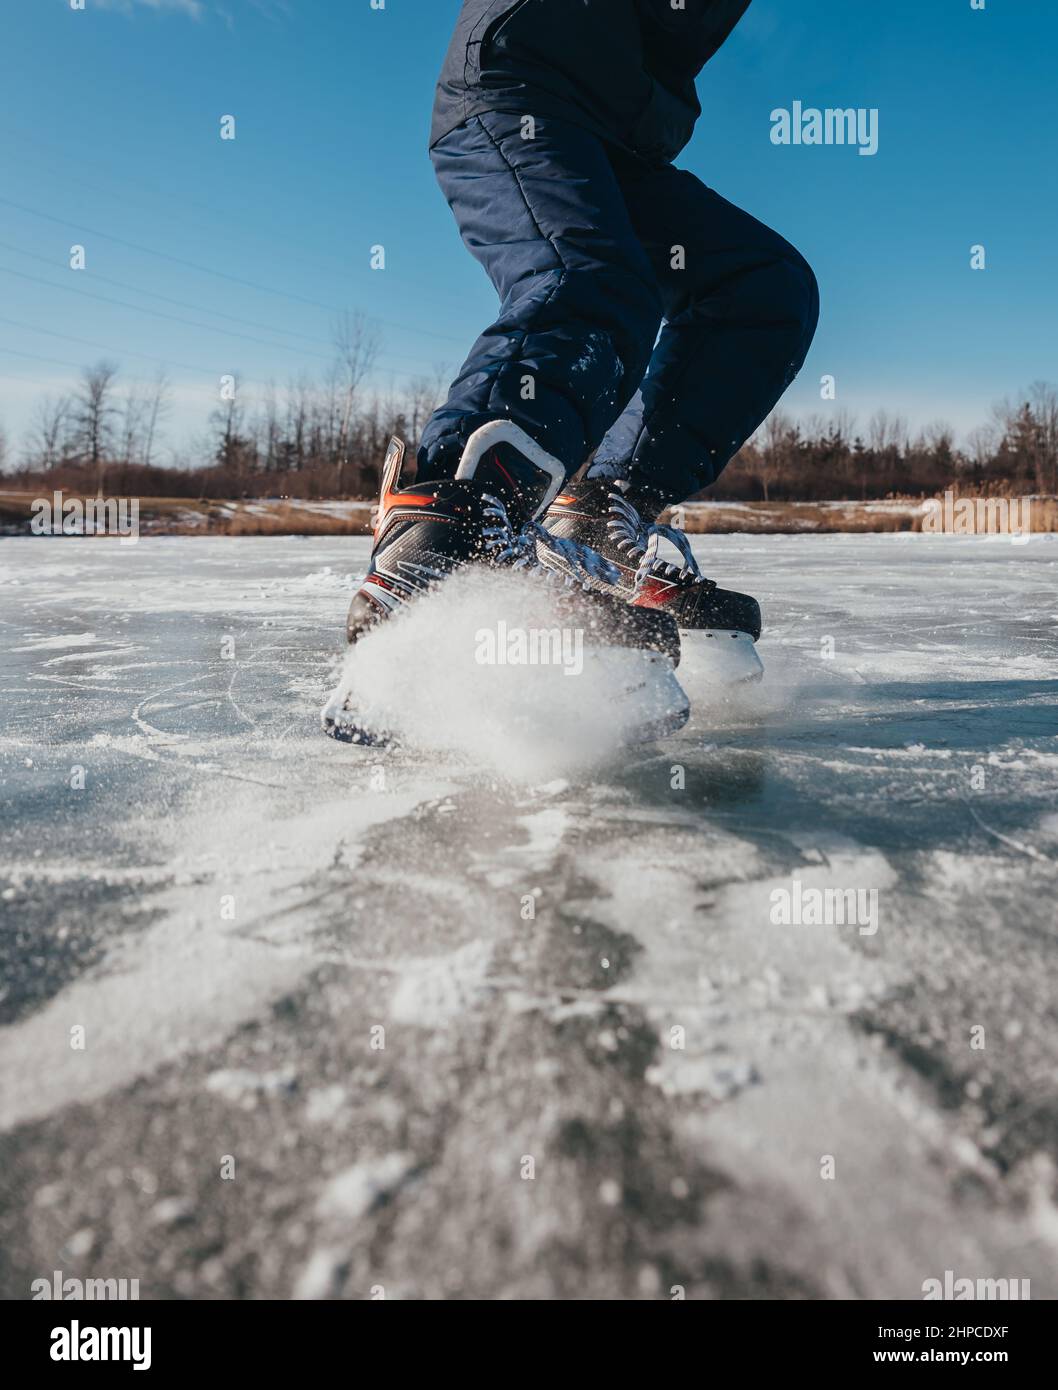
(35, 357)
(165, 298)
(168, 299)
(126, 352)
(222, 216)
(25, 141)
(157, 313)
(206, 270)
(103, 347)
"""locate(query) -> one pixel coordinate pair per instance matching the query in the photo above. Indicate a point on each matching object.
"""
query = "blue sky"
(111, 139)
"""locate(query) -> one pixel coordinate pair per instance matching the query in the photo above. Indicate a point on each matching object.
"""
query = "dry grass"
(849, 518)
(295, 521)
(181, 516)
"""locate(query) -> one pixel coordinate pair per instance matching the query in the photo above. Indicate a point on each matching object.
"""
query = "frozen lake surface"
(280, 1017)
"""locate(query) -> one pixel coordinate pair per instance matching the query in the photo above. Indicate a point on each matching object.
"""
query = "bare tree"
(357, 343)
(298, 414)
(1043, 398)
(424, 395)
(888, 442)
(51, 423)
(269, 431)
(939, 435)
(230, 447)
(887, 433)
(157, 409)
(93, 416)
(772, 449)
(131, 415)
(843, 425)
(332, 406)
(981, 444)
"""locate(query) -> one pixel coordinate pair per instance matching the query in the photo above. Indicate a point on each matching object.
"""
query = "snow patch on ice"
(325, 1104)
(183, 984)
(719, 1078)
(546, 831)
(95, 656)
(322, 581)
(60, 643)
(323, 1273)
(244, 1088)
(432, 991)
(353, 1192)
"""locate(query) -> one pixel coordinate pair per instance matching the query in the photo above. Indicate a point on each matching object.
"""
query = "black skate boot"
(425, 532)
(485, 515)
(602, 514)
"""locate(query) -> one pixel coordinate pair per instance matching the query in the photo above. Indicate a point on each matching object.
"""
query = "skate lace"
(519, 548)
(640, 539)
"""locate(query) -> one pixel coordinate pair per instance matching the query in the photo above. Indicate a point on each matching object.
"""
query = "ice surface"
(579, 967)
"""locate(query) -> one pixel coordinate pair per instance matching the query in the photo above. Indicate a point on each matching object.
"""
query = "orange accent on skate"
(497, 464)
(389, 500)
(655, 593)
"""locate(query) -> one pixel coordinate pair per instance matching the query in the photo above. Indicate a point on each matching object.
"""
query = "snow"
(421, 676)
(60, 643)
(233, 902)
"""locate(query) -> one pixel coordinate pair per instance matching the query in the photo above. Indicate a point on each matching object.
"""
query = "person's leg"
(741, 306)
(580, 306)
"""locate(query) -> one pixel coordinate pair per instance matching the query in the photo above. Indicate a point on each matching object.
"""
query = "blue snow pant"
(589, 250)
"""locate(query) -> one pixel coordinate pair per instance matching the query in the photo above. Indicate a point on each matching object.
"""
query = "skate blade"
(719, 656)
(648, 701)
(339, 722)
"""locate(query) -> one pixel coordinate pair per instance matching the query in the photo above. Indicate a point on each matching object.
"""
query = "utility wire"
(168, 299)
(126, 352)
(165, 298)
(157, 313)
(205, 269)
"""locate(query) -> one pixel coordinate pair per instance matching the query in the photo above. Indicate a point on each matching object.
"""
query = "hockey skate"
(601, 513)
(486, 517)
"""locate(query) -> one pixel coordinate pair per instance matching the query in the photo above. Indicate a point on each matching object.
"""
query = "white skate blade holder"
(721, 657)
(647, 700)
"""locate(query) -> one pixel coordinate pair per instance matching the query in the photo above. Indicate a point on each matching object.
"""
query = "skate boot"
(486, 515)
(601, 513)
(425, 532)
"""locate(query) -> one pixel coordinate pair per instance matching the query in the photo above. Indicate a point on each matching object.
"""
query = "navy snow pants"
(589, 251)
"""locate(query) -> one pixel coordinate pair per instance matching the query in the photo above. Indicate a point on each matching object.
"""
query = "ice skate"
(601, 514)
(486, 516)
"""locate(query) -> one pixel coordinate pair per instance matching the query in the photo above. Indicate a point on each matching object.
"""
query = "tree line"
(1014, 452)
(326, 439)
